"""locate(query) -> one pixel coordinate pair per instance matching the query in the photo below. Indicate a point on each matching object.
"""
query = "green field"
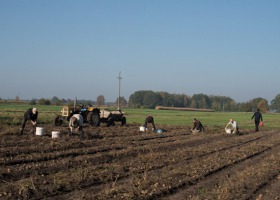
(12, 115)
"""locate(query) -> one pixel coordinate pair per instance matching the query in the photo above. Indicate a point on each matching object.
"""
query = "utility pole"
(119, 77)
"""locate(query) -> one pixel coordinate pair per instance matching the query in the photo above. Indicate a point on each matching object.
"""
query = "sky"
(71, 48)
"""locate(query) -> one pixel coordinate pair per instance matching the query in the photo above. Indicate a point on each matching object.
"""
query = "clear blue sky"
(68, 48)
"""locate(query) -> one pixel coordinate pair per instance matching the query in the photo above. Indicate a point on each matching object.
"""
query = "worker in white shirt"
(234, 126)
(76, 121)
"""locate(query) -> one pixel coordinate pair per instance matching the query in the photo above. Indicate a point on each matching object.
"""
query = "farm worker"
(258, 118)
(234, 127)
(76, 121)
(31, 114)
(149, 120)
(197, 126)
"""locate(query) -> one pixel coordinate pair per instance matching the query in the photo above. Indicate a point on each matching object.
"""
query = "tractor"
(90, 115)
(110, 117)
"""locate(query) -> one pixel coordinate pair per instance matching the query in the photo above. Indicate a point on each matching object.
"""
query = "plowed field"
(123, 163)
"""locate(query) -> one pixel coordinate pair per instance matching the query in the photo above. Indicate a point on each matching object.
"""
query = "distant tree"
(17, 98)
(179, 100)
(44, 102)
(70, 102)
(100, 100)
(263, 106)
(201, 101)
(149, 99)
(167, 99)
(63, 101)
(136, 99)
(56, 101)
(222, 103)
(123, 101)
(255, 104)
(32, 102)
(152, 99)
(245, 107)
(275, 103)
(187, 101)
(47, 102)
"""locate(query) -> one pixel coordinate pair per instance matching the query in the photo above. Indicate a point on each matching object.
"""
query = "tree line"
(151, 99)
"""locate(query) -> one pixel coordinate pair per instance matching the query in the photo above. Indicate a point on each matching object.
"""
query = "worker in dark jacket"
(197, 126)
(258, 118)
(149, 120)
(31, 114)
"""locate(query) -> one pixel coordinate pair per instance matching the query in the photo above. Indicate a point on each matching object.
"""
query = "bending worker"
(149, 120)
(234, 127)
(197, 126)
(76, 121)
(31, 114)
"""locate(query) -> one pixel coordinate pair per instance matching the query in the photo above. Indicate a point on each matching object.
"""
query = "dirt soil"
(124, 163)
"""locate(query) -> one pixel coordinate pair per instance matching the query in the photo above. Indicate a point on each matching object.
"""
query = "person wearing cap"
(76, 121)
(197, 126)
(234, 127)
(149, 120)
(31, 114)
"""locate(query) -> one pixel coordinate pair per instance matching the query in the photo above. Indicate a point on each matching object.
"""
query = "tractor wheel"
(93, 119)
(57, 121)
(123, 120)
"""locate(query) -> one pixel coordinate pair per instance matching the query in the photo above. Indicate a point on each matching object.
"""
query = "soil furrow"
(205, 175)
(121, 163)
(208, 187)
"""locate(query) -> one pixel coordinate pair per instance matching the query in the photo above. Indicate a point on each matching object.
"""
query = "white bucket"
(228, 130)
(55, 134)
(195, 131)
(40, 131)
(142, 128)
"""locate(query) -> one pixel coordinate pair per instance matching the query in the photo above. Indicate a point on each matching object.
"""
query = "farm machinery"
(110, 117)
(91, 115)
